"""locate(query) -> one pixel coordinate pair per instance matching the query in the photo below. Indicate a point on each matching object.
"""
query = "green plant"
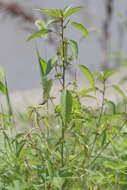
(72, 145)
(62, 60)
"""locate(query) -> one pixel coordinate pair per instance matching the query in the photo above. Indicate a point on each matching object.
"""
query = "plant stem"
(63, 86)
(63, 51)
(101, 112)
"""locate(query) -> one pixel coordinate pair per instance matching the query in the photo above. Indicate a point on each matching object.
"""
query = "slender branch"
(63, 49)
(63, 80)
(101, 112)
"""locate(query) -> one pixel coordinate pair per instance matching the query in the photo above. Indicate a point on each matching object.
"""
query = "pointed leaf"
(87, 74)
(49, 66)
(10, 111)
(69, 11)
(81, 28)
(119, 90)
(47, 85)
(52, 12)
(39, 33)
(52, 21)
(2, 74)
(2, 88)
(99, 75)
(66, 104)
(74, 48)
(109, 73)
(111, 107)
(42, 64)
(40, 23)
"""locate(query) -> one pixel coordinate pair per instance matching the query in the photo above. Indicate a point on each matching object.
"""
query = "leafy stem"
(63, 79)
(101, 112)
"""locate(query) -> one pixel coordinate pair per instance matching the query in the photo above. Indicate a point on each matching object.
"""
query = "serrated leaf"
(87, 74)
(52, 12)
(81, 28)
(66, 104)
(118, 90)
(74, 48)
(39, 33)
(69, 11)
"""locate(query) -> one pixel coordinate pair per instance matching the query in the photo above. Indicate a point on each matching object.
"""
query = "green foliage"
(66, 105)
(68, 145)
(81, 28)
(68, 11)
(118, 89)
(87, 74)
(39, 33)
(74, 48)
(4, 90)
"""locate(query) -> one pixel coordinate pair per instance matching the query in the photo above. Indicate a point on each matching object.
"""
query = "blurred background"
(105, 47)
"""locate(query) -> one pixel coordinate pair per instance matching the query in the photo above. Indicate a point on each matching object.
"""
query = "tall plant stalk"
(63, 86)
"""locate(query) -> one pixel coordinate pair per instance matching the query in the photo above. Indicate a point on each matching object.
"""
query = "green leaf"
(49, 66)
(81, 28)
(39, 33)
(65, 173)
(2, 88)
(109, 73)
(50, 169)
(45, 69)
(99, 75)
(10, 111)
(118, 90)
(52, 21)
(87, 74)
(74, 48)
(69, 11)
(66, 104)
(2, 74)
(42, 64)
(52, 12)
(40, 23)
(111, 107)
(104, 138)
(47, 85)
(85, 92)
